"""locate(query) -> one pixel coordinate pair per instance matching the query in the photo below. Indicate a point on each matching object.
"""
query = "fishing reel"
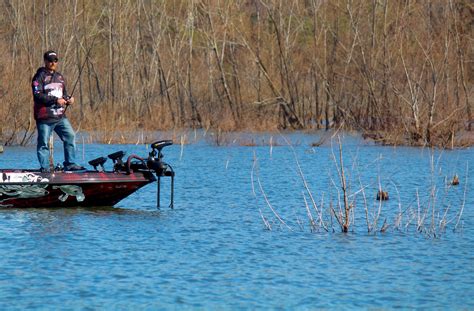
(67, 99)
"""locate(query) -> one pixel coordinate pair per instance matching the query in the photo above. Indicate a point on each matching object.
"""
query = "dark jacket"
(47, 88)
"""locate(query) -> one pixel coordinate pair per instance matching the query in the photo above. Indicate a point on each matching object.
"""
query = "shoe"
(74, 167)
(45, 170)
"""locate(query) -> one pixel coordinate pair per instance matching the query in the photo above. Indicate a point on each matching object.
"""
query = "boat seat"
(98, 162)
(117, 156)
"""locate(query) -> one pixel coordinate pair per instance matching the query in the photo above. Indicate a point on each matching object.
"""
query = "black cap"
(50, 56)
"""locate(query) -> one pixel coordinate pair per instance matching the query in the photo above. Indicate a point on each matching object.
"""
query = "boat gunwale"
(122, 177)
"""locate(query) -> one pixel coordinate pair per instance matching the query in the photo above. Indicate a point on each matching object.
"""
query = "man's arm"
(38, 94)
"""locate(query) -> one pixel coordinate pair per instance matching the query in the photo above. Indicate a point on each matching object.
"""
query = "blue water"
(214, 251)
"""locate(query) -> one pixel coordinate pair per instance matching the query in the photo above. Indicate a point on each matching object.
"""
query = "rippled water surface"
(214, 251)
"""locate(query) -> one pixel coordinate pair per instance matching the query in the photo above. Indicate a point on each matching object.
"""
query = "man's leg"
(66, 133)
(42, 148)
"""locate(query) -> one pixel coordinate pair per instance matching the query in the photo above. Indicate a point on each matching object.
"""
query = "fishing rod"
(67, 98)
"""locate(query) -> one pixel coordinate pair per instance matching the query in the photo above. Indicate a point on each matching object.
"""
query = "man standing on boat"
(50, 101)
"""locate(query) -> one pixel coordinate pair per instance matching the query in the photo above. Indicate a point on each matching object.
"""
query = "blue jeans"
(65, 131)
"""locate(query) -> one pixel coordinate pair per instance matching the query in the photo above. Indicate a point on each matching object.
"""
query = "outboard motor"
(162, 169)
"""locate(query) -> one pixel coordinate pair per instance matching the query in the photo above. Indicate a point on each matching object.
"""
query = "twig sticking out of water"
(312, 223)
(182, 141)
(265, 221)
(83, 150)
(365, 205)
(399, 218)
(344, 216)
(464, 198)
(305, 184)
(255, 169)
(347, 207)
(271, 146)
(379, 210)
(385, 226)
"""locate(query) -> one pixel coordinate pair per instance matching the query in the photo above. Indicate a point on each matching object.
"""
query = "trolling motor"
(154, 163)
(162, 169)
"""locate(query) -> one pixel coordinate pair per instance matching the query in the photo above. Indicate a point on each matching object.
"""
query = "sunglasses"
(53, 61)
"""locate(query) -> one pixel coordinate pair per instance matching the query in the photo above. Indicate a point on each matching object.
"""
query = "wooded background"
(397, 71)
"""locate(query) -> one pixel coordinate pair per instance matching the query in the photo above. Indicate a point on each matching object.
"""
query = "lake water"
(214, 251)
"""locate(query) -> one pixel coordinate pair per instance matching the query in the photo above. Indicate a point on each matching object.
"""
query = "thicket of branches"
(398, 71)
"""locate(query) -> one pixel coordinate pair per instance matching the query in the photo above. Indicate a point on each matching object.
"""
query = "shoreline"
(217, 137)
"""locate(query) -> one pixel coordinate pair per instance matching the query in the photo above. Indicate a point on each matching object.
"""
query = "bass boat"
(23, 188)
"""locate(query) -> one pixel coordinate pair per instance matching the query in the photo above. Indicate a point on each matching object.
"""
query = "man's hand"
(62, 102)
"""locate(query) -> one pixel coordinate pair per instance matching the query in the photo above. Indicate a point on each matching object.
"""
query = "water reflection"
(53, 221)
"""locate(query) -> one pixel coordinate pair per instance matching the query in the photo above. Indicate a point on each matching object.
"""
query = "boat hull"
(28, 189)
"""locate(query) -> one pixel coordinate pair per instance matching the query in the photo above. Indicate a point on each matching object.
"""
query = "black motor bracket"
(162, 169)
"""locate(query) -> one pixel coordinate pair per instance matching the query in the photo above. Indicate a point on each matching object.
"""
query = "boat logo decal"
(22, 177)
